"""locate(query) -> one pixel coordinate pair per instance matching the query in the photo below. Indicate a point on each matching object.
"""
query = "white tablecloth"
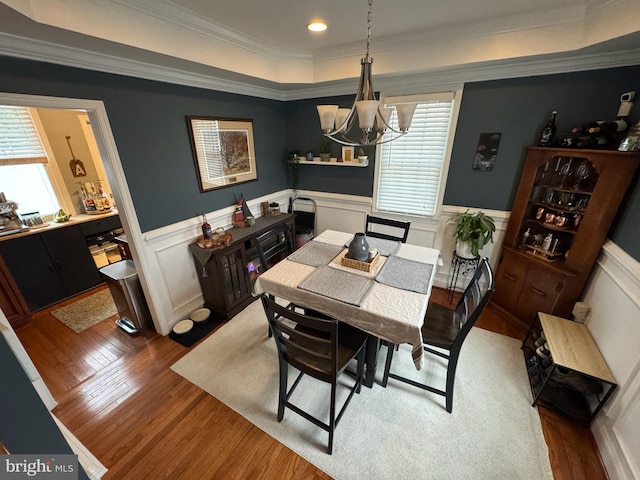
(389, 313)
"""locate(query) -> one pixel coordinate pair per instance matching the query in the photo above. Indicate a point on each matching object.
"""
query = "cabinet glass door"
(559, 199)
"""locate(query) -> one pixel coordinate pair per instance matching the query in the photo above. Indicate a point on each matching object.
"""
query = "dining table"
(388, 302)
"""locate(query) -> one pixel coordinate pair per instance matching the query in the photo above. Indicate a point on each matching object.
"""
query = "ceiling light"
(337, 123)
(317, 27)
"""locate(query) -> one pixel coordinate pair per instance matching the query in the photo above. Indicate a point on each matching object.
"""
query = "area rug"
(398, 432)
(87, 312)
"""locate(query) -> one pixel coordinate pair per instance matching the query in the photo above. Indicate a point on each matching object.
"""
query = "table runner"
(406, 274)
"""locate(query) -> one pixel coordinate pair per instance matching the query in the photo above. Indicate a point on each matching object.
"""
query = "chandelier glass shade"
(373, 121)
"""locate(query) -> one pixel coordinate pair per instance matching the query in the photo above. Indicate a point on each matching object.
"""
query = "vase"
(359, 248)
(325, 157)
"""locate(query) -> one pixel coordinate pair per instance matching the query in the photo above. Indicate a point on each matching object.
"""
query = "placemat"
(315, 253)
(385, 247)
(343, 286)
(406, 274)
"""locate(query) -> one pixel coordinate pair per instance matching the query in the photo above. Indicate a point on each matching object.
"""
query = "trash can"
(124, 285)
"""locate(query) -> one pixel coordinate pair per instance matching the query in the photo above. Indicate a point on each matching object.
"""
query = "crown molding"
(14, 46)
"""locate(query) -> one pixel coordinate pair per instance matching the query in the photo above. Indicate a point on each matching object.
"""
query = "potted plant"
(292, 166)
(325, 150)
(473, 231)
(362, 158)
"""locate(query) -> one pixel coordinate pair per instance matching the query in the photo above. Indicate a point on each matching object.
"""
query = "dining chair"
(319, 347)
(273, 246)
(447, 329)
(386, 222)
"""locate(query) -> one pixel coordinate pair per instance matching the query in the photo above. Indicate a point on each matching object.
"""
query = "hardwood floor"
(119, 397)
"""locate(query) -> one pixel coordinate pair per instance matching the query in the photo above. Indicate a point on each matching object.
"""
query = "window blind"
(206, 138)
(411, 167)
(19, 140)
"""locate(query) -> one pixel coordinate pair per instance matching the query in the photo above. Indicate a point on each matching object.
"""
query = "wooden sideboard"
(223, 271)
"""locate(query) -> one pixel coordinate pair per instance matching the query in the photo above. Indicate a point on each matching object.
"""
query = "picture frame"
(486, 151)
(347, 154)
(223, 151)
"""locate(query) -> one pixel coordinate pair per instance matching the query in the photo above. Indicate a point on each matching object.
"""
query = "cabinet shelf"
(556, 228)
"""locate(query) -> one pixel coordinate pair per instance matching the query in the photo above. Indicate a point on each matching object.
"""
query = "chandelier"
(373, 120)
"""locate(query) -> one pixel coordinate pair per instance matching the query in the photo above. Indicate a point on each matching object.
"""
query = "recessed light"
(317, 27)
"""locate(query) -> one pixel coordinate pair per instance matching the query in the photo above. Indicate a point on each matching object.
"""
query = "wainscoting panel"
(172, 281)
(613, 293)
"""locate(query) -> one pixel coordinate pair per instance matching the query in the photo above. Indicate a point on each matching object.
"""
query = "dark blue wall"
(150, 129)
(517, 108)
(25, 424)
(149, 125)
(304, 134)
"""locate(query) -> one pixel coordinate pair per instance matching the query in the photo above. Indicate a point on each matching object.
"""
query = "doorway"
(104, 144)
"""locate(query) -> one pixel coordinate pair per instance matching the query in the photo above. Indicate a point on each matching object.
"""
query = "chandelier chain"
(368, 28)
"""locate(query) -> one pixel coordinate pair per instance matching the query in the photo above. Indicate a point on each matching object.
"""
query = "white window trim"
(457, 100)
(53, 169)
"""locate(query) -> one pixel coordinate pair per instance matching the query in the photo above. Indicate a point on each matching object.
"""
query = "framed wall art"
(223, 151)
(486, 151)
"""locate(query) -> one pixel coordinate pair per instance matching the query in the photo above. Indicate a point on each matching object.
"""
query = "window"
(411, 171)
(23, 163)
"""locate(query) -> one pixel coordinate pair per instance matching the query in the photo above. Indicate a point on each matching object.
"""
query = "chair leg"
(360, 369)
(387, 366)
(451, 378)
(282, 394)
(332, 418)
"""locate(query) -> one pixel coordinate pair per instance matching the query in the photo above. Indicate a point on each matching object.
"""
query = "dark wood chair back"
(386, 222)
(274, 245)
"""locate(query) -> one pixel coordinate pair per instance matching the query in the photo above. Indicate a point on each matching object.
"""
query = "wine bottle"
(595, 141)
(609, 127)
(585, 127)
(549, 130)
(206, 228)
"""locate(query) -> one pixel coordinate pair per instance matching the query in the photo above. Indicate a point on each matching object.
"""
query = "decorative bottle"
(549, 130)
(609, 127)
(359, 247)
(206, 228)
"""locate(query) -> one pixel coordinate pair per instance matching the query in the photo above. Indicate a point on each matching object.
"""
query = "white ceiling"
(264, 43)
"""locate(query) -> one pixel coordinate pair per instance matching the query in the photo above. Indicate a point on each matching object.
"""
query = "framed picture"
(223, 151)
(347, 154)
(486, 151)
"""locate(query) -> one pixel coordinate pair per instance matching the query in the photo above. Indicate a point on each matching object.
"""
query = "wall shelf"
(333, 161)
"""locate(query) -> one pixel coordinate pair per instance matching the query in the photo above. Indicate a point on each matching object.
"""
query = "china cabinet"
(564, 206)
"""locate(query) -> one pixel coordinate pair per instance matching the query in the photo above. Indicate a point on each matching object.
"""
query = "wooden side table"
(575, 358)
